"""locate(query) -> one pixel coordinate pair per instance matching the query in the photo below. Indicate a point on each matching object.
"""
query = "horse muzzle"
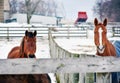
(100, 49)
(31, 56)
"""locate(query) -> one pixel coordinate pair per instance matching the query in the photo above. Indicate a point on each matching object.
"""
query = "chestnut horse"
(26, 49)
(104, 46)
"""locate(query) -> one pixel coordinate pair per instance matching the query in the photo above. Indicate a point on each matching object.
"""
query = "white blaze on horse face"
(100, 38)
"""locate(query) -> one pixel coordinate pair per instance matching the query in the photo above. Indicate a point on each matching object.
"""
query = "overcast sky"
(73, 6)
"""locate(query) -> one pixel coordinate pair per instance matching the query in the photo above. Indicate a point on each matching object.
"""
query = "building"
(36, 19)
(22, 18)
(1, 10)
(6, 9)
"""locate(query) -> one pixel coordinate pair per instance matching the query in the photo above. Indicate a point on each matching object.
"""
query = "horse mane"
(22, 48)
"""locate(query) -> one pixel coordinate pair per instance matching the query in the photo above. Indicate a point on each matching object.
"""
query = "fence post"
(87, 32)
(8, 33)
(68, 33)
(113, 31)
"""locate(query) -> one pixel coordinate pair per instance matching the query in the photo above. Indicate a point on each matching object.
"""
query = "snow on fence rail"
(97, 73)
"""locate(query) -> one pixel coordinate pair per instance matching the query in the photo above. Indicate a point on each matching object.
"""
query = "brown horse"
(104, 46)
(26, 49)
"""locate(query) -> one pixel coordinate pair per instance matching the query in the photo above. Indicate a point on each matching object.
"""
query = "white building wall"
(22, 18)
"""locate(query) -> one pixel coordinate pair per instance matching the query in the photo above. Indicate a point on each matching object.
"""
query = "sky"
(72, 7)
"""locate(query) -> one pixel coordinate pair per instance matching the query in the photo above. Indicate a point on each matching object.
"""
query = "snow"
(77, 45)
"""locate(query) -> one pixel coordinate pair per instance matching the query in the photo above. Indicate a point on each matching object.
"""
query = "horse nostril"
(31, 56)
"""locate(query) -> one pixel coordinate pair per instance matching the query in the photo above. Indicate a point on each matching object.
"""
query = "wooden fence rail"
(59, 65)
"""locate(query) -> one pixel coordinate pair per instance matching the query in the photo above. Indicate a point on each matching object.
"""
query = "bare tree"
(98, 9)
(31, 5)
(39, 7)
(50, 8)
(115, 10)
(108, 9)
(22, 7)
(13, 6)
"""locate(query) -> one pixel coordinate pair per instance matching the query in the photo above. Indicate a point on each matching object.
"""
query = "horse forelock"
(30, 34)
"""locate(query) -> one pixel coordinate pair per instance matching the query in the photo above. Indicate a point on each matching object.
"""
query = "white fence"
(17, 30)
(84, 72)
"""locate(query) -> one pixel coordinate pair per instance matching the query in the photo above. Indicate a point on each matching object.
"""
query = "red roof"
(82, 17)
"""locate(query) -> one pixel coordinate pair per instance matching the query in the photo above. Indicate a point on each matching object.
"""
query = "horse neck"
(22, 54)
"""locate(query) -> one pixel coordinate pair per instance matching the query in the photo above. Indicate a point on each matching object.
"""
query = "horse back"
(14, 53)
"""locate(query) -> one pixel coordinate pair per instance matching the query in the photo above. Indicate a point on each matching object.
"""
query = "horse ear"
(95, 21)
(35, 33)
(105, 22)
(26, 32)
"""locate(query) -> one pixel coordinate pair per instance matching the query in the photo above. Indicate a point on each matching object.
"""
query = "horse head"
(100, 35)
(28, 45)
